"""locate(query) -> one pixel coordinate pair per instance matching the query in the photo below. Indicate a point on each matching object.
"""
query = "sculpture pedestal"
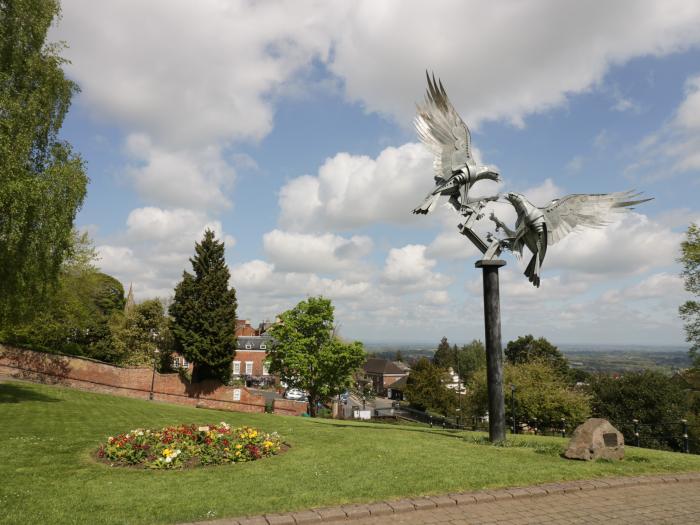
(494, 350)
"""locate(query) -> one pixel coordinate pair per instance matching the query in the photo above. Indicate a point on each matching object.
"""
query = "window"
(185, 364)
(266, 369)
(248, 346)
(249, 368)
(176, 362)
(236, 368)
(236, 394)
(263, 346)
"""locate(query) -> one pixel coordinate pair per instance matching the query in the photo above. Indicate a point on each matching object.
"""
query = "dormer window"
(248, 346)
(263, 346)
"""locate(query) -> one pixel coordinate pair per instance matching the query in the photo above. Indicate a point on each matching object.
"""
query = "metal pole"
(494, 351)
(153, 376)
(686, 442)
(512, 409)
(563, 427)
(636, 432)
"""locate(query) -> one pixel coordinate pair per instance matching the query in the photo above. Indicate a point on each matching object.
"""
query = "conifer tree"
(204, 311)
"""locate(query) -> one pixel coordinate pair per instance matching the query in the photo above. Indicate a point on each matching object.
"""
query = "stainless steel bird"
(537, 228)
(444, 132)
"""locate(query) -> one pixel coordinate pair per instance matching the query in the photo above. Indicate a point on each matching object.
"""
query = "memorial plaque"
(610, 439)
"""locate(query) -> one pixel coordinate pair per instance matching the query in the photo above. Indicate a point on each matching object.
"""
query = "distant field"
(591, 358)
(48, 435)
(628, 361)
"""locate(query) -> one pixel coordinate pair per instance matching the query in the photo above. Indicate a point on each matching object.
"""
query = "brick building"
(383, 374)
(250, 361)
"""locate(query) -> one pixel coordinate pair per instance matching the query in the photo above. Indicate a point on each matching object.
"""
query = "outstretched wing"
(443, 131)
(589, 210)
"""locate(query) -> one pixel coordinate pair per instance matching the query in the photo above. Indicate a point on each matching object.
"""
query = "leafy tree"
(399, 356)
(443, 356)
(42, 182)
(139, 332)
(426, 388)
(204, 312)
(526, 349)
(470, 359)
(648, 396)
(74, 317)
(690, 311)
(541, 392)
(308, 355)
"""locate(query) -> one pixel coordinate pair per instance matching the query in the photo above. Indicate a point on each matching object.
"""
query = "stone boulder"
(596, 438)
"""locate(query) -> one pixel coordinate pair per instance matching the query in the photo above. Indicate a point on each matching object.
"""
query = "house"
(383, 373)
(250, 361)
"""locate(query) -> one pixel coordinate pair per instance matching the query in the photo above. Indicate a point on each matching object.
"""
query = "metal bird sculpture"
(537, 228)
(444, 132)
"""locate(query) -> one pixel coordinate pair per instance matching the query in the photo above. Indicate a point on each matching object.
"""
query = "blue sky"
(287, 127)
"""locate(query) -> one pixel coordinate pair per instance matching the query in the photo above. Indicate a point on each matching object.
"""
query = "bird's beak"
(488, 171)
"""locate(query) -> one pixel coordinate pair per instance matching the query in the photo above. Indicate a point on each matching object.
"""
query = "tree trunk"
(312, 405)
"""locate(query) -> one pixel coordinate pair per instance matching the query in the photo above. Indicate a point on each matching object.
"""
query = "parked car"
(295, 394)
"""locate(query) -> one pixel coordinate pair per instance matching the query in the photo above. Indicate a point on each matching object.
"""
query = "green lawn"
(47, 435)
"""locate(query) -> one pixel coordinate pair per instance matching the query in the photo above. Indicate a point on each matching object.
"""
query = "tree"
(690, 311)
(307, 354)
(655, 400)
(426, 388)
(42, 182)
(139, 332)
(526, 349)
(443, 356)
(470, 359)
(204, 313)
(399, 356)
(74, 317)
(541, 392)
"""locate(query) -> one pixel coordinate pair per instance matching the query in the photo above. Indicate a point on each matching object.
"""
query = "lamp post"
(512, 408)
(153, 376)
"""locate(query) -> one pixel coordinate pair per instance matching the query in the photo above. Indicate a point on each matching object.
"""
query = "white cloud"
(633, 244)
(352, 191)
(502, 64)
(191, 73)
(677, 142)
(408, 269)
(299, 252)
(154, 250)
(196, 179)
(655, 286)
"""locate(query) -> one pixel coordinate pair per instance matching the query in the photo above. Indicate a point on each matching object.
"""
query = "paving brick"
(401, 505)
(463, 498)
(443, 501)
(423, 503)
(280, 519)
(331, 513)
(380, 509)
(306, 516)
(256, 520)
(483, 496)
(356, 511)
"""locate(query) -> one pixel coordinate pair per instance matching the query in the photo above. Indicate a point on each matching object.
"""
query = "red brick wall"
(288, 407)
(86, 374)
(258, 358)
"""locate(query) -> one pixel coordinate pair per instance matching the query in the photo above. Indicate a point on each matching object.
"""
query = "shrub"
(189, 445)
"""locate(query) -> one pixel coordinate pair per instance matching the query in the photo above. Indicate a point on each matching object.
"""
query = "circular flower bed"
(189, 445)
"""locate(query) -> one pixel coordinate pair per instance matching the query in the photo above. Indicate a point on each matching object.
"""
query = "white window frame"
(263, 346)
(236, 394)
(176, 362)
(249, 368)
(236, 368)
(185, 364)
(248, 346)
(266, 368)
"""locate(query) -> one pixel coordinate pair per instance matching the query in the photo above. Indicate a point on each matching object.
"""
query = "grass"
(48, 435)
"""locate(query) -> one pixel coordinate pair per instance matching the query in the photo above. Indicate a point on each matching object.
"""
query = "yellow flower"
(167, 452)
(238, 454)
(267, 444)
(239, 446)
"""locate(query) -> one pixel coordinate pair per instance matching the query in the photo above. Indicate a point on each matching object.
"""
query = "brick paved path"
(665, 503)
(664, 498)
